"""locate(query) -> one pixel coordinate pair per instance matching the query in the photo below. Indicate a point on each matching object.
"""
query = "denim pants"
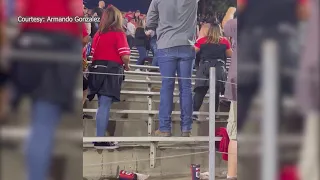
(103, 112)
(45, 119)
(142, 55)
(154, 48)
(174, 60)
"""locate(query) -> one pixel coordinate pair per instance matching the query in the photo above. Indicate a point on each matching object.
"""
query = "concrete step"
(98, 164)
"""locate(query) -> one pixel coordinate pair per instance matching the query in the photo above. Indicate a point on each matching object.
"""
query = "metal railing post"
(212, 124)
(270, 114)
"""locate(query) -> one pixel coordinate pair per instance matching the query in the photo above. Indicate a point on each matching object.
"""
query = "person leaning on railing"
(111, 54)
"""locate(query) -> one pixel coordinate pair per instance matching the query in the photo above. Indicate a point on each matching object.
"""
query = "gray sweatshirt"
(175, 21)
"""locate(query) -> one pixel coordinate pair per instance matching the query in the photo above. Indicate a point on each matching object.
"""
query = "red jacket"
(224, 143)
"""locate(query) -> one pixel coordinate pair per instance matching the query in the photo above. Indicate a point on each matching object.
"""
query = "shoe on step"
(87, 116)
(162, 134)
(186, 134)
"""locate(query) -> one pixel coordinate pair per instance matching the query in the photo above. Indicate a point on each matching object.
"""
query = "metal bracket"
(153, 145)
(153, 154)
(150, 116)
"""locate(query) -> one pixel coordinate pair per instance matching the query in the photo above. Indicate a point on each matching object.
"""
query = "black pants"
(197, 61)
(130, 40)
(199, 95)
(85, 83)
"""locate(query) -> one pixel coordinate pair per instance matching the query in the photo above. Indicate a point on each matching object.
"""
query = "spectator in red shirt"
(60, 8)
(111, 54)
(214, 49)
(48, 79)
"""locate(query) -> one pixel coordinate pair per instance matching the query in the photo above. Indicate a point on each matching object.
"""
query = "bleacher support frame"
(154, 140)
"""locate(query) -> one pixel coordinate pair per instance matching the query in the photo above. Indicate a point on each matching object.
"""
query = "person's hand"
(127, 67)
(148, 33)
(231, 10)
(229, 15)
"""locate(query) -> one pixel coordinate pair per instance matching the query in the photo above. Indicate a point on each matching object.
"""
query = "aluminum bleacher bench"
(154, 141)
(153, 112)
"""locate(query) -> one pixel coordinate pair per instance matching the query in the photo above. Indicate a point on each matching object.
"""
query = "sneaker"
(154, 70)
(115, 143)
(162, 134)
(138, 70)
(186, 134)
(105, 145)
(87, 116)
(195, 118)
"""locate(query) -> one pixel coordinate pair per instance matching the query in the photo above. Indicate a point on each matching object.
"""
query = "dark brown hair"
(111, 20)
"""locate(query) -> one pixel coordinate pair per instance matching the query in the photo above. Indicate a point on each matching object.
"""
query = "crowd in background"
(205, 18)
(138, 36)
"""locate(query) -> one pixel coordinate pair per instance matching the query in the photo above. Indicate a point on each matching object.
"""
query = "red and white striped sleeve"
(122, 44)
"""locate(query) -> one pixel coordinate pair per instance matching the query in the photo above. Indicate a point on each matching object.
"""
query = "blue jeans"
(154, 48)
(103, 112)
(45, 118)
(142, 55)
(174, 60)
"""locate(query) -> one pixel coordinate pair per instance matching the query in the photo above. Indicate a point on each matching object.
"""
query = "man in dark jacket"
(100, 8)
